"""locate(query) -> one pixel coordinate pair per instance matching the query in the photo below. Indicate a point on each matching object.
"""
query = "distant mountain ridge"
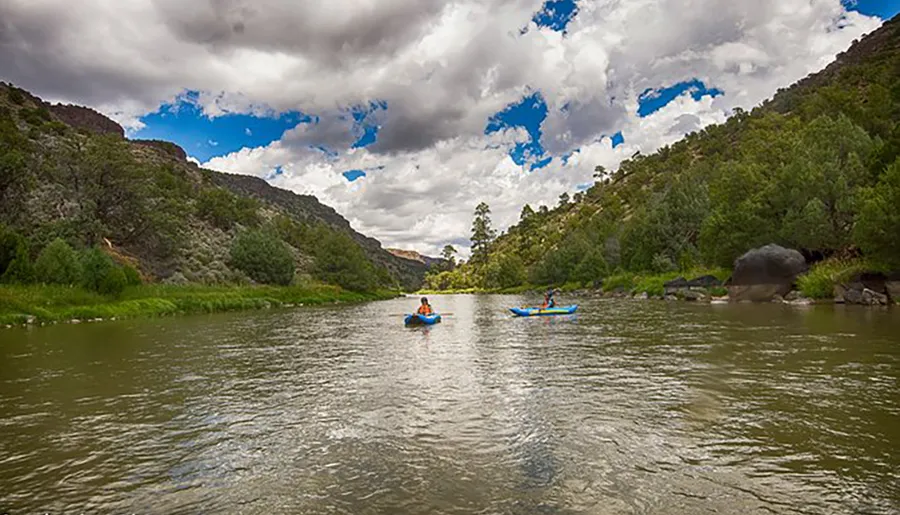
(412, 255)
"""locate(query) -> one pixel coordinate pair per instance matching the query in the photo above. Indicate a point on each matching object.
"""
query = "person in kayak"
(548, 299)
(425, 308)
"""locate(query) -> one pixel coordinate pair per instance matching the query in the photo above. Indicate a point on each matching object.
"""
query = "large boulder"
(761, 274)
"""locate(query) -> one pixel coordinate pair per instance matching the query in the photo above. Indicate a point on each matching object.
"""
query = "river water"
(627, 407)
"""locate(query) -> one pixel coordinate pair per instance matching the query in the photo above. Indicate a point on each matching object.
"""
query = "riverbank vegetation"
(816, 169)
(35, 304)
(96, 282)
(822, 277)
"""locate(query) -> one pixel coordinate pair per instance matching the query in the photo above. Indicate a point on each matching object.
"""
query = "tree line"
(816, 169)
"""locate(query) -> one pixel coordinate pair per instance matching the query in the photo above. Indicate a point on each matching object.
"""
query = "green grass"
(452, 291)
(18, 304)
(819, 282)
(512, 290)
(652, 284)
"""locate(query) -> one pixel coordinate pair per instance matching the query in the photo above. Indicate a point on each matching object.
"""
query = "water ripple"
(626, 407)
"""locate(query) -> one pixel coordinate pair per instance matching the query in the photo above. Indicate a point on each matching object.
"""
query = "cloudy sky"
(404, 114)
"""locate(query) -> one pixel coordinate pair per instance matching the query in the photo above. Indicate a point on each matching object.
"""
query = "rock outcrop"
(412, 255)
(869, 289)
(695, 289)
(85, 118)
(167, 147)
(761, 274)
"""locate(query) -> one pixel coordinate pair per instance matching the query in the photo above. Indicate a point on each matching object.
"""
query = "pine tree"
(482, 233)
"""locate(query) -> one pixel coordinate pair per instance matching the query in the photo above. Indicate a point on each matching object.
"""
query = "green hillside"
(815, 168)
(71, 186)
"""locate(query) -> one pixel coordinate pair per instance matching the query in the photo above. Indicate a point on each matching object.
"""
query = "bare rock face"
(761, 274)
(166, 147)
(86, 118)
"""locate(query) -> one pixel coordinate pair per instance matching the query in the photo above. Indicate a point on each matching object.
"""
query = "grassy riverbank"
(21, 304)
(652, 284)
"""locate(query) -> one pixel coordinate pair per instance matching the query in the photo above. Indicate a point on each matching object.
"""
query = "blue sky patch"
(556, 14)
(352, 175)
(652, 100)
(369, 136)
(618, 139)
(884, 9)
(275, 173)
(204, 138)
(367, 128)
(529, 113)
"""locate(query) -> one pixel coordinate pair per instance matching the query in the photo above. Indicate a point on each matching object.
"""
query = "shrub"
(132, 276)
(653, 284)
(340, 260)
(223, 209)
(36, 116)
(20, 269)
(100, 273)
(58, 263)
(15, 95)
(263, 257)
(819, 282)
(625, 281)
(9, 245)
(113, 282)
(56, 127)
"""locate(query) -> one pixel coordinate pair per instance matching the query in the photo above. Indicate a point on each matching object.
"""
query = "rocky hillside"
(415, 256)
(68, 172)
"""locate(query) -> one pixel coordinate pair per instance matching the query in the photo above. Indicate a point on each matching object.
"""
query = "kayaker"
(548, 299)
(425, 308)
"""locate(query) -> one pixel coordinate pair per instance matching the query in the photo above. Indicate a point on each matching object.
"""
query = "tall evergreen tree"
(482, 233)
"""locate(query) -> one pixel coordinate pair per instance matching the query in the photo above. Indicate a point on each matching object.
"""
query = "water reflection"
(625, 407)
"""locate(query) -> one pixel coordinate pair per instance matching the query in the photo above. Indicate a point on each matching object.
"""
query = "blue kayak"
(417, 319)
(530, 312)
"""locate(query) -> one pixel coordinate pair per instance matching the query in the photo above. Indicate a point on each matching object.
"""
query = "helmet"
(425, 299)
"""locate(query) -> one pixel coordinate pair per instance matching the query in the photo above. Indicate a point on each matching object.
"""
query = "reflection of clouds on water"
(647, 407)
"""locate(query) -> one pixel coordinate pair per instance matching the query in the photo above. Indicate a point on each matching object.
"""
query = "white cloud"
(442, 67)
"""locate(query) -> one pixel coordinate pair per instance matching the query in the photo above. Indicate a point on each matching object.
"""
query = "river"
(627, 407)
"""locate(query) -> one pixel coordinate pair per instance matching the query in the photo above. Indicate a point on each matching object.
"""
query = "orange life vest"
(425, 309)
